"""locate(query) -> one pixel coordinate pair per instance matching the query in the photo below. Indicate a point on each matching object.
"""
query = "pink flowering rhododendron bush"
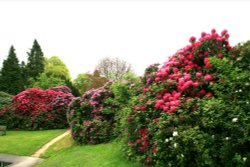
(42, 109)
(91, 117)
(192, 111)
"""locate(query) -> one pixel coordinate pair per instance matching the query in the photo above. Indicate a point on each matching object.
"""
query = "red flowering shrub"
(91, 117)
(42, 109)
(182, 116)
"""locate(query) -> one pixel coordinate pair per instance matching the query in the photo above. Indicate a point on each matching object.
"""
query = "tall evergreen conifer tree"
(35, 65)
(11, 79)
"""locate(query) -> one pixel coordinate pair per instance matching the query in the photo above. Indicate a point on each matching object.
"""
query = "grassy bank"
(26, 142)
(67, 154)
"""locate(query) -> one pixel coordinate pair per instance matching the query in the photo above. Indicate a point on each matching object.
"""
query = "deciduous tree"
(113, 68)
(87, 81)
(56, 67)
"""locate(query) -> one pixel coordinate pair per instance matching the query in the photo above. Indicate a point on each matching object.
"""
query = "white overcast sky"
(140, 32)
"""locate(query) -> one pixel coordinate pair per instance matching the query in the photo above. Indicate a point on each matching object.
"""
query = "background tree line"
(43, 72)
(16, 76)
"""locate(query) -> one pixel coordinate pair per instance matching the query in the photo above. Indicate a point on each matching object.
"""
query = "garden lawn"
(67, 154)
(26, 142)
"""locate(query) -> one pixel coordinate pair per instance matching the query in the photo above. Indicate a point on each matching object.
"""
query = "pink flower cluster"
(95, 97)
(189, 69)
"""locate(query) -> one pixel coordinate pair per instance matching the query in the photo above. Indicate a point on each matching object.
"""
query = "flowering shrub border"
(170, 122)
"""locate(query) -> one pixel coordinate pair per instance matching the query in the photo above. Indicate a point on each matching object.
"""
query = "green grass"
(67, 154)
(26, 142)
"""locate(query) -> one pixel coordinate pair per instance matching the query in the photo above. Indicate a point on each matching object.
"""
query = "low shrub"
(5, 99)
(7, 114)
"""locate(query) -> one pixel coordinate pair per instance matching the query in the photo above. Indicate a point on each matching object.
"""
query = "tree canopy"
(56, 67)
(86, 81)
(55, 74)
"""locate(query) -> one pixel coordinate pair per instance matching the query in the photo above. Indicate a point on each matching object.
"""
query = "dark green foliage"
(5, 99)
(8, 117)
(11, 78)
(124, 92)
(35, 65)
(7, 114)
(214, 134)
(75, 91)
(24, 74)
(243, 56)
